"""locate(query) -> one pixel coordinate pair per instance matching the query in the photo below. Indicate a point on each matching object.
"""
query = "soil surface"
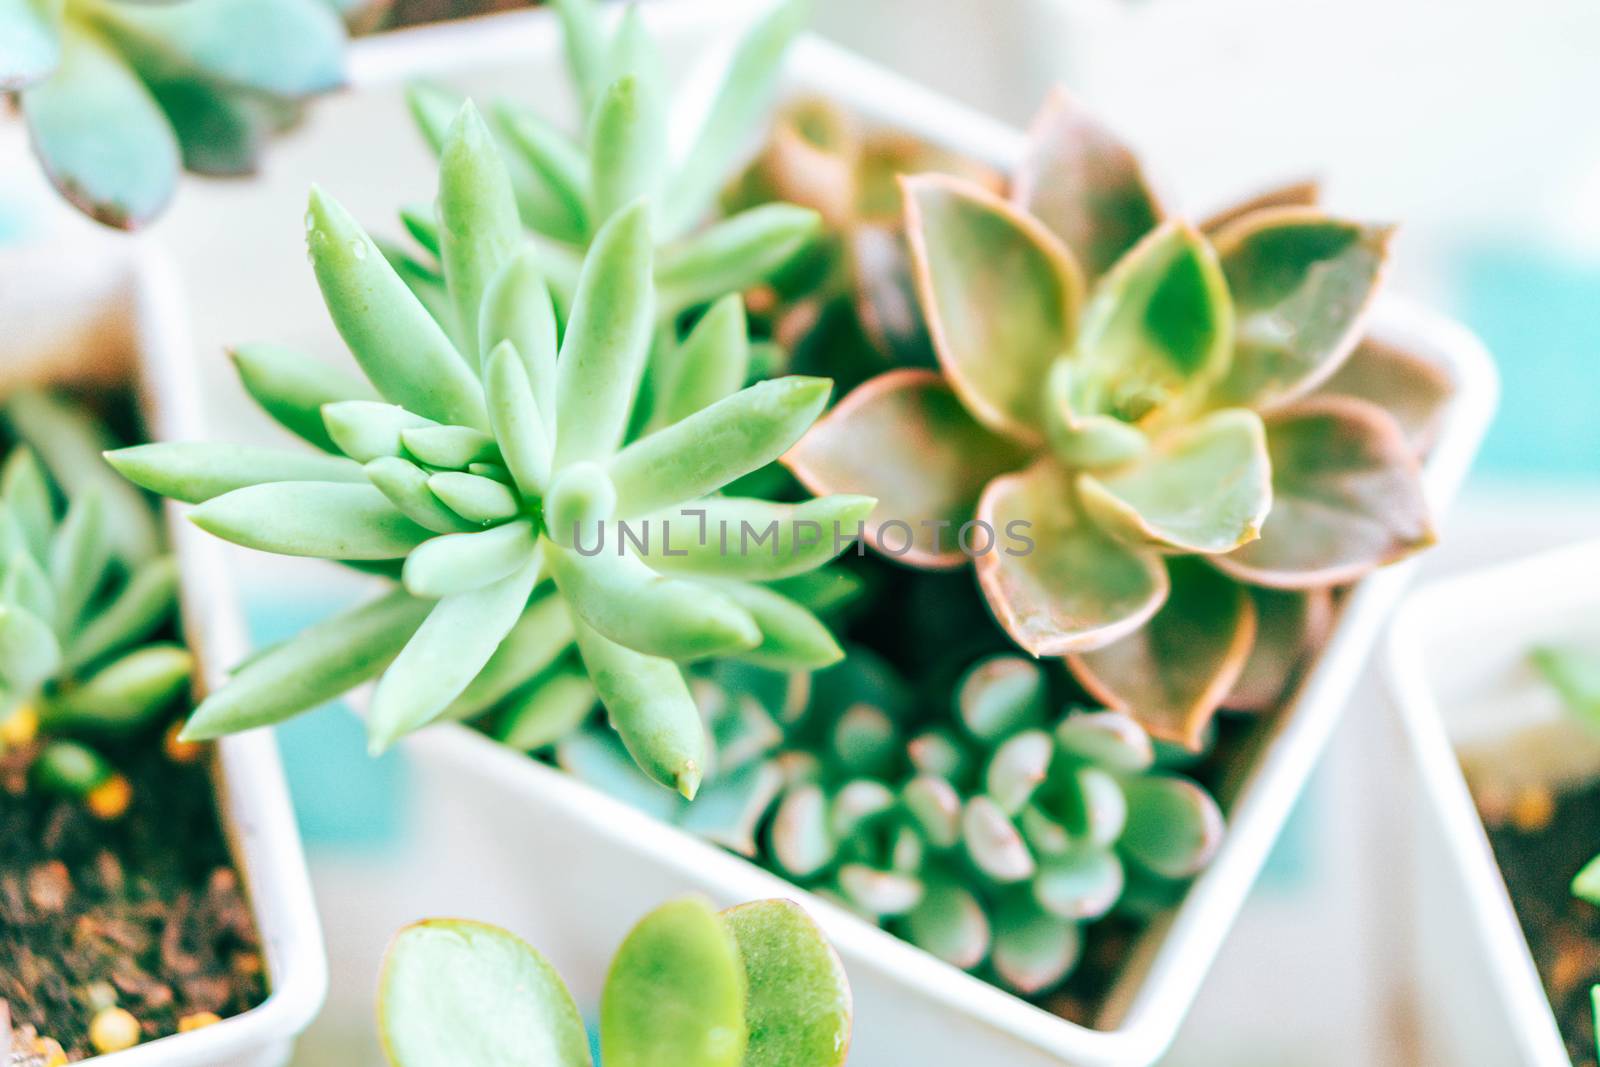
(145, 911)
(1539, 859)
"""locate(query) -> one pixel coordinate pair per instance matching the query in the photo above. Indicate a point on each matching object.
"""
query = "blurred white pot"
(512, 841)
(109, 310)
(1459, 675)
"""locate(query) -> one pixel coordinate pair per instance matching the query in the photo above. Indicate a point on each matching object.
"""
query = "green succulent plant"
(1134, 423)
(991, 844)
(119, 95)
(567, 188)
(77, 612)
(491, 465)
(754, 986)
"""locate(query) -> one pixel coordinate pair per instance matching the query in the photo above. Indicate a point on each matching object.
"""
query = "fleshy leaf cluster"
(1182, 420)
(490, 473)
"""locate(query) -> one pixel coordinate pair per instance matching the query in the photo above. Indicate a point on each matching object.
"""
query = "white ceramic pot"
(1457, 660)
(110, 310)
(510, 840)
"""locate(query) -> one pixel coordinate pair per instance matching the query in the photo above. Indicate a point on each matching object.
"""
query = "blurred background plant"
(119, 96)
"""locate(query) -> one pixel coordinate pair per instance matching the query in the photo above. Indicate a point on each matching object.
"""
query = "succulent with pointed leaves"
(848, 306)
(492, 465)
(120, 95)
(568, 188)
(994, 843)
(1182, 421)
(754, 986)
(78, 606)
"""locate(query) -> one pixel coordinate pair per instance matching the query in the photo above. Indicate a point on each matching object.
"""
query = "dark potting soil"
(148, 904)
(1538, 860)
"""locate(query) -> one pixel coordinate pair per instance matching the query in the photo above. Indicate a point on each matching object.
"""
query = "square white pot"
(1458, 670)
(109, 310)
(509, 840)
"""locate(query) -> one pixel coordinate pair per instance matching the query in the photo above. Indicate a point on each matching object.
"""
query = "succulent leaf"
(797, 1003)
(125, 694)
(608, 333)
(627, 144)
(648, 703)
(1301, 284)
(459, 563)
(1158, 330)
(733, 255)
(622, 598)
(479, 228)
(710, 448)
(27, 586)
(1083, 183)
(280, 48)
(1203, 487)
(552, 708)
(403, 351)
(905, 439)
(712, 362)
(556, 162)
(675, 994)
(1347, 498)
(517, 309)
(195, 472)
(1173, 673)
(1303, 193)
(30, 41)
(453, 990)
(101, 135)
(1290, 626)
(541, 635)
(319, 664)
(1073, 587)
(27, 499)
(71, 444)
(1174, 827)
(1413, 390)
(1080, 884)
(329, 520)
(951, 923)
(585, 44)
(520, 428)
(791, 637)
(1033, 950)
(406, 486)
(29, 651)
(293, 388)
(79, 555)
(1001, 296)
(474, 497)
(739, 105)
(448, 650)
(142, 605)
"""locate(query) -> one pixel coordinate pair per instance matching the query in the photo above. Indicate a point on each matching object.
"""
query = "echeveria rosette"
(756, 985)
(567, 188)
(119, 95)
(1151, 400)
(492, 466)
(77, 613)
(992, 843)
